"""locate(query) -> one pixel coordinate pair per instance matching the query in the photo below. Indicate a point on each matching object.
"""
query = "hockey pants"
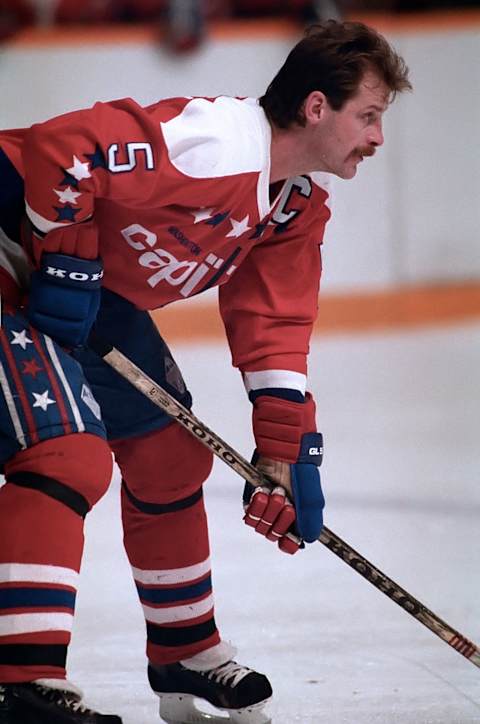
(58, 464)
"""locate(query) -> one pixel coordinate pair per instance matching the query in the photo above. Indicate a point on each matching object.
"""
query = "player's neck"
(287, 155)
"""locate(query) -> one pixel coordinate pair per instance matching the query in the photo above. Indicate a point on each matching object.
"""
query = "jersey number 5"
(132, 152)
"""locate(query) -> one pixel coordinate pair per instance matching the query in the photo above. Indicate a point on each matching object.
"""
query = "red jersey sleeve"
(270, 304)
(112, 150)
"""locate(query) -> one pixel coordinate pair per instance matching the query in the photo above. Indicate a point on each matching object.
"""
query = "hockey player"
(130, 209)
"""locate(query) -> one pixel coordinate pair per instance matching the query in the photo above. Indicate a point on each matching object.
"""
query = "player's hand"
(269, 511)
(289, 452)
(78, 240)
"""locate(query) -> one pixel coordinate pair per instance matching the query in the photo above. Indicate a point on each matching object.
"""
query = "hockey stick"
(233, 459)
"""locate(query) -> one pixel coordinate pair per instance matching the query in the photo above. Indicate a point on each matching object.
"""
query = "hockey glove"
(289, 451)
(64, 297)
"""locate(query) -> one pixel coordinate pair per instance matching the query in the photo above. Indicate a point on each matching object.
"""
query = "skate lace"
(3, 694)
(65, 699)
(229, 674)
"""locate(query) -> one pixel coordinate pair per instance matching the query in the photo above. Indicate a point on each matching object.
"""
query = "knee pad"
(164, 465)
(75, 469)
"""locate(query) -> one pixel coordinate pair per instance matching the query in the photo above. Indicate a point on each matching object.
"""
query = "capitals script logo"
(166, 266)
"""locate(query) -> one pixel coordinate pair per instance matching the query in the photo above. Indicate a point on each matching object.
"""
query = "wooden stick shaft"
(233, 459)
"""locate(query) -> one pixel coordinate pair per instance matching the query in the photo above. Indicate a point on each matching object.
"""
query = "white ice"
(400, 414)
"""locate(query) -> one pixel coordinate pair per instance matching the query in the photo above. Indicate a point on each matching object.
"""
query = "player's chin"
(350, 166)
(349, 170)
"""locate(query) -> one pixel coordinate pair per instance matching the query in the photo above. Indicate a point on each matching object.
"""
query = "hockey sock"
(48, 491)
(166, 539)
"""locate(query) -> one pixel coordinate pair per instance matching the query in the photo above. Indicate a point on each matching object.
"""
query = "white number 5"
(132, 149)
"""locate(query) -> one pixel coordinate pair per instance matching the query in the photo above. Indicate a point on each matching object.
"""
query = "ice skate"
(235, 691)
(52, 701)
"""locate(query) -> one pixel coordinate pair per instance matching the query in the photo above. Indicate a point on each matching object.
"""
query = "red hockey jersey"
(179, 199)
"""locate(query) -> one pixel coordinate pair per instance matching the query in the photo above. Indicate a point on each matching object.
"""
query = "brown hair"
(332, 57)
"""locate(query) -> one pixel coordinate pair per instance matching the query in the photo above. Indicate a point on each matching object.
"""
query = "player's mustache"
(367, 150)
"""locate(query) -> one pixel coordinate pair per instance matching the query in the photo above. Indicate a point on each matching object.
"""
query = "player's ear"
(314, 107)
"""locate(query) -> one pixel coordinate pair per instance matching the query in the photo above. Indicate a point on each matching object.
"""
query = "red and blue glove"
(289, 451)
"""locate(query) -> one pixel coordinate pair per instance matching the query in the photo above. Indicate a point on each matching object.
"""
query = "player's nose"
(375, 136)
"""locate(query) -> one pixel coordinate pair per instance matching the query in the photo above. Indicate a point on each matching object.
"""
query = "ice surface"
(400, 415)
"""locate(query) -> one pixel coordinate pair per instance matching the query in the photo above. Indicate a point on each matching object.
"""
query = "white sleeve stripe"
(41, 223)
(285, 379)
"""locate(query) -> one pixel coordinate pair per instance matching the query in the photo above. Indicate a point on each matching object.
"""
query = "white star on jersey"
(202, 214)
(42, 400)
(21, 339)
(79, 170)
(68, 196)
(239, 227)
